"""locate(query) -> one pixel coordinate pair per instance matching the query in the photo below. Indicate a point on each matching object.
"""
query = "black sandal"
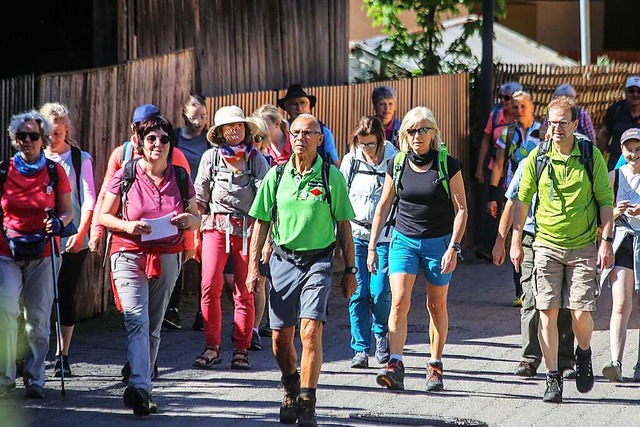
(204, 362)
(240, 360)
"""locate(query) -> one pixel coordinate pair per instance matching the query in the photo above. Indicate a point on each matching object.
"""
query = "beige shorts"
(565, 278)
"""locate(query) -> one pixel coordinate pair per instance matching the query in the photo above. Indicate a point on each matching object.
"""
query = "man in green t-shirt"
(565, 252)
(304, 221)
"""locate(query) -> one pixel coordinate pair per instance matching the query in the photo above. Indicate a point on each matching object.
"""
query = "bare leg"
(260, 301)
(622, 287)
(401, 287)
(67, 334)
(438, 318)
(284, 350)
(549, 338)
(311, 363)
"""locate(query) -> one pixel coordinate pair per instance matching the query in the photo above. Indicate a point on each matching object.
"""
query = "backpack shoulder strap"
(616, 183)
(128, 177)
(183, 184)
(76, 162)
(127, 152)
(398, 168)
(279, 173)
(353, 170)
(542, 159)
(443, 168)
(326, 170)
(586, 156)
(52, 171)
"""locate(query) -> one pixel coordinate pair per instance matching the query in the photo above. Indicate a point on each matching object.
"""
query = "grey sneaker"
(636, 373)
(613, 371)
(360, 360)
(382, 348)
(553, 393)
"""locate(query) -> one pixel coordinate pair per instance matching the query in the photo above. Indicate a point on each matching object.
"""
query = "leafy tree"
(421, 47)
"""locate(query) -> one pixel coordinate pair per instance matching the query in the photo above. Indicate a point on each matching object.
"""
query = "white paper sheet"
(160, 227)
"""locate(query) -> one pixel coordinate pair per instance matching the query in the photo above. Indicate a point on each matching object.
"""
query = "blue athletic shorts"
(408, 254)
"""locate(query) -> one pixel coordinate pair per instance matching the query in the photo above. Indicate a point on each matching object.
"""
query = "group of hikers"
(244, 200)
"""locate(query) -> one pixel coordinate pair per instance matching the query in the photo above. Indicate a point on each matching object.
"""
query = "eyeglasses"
(259, 138)
(633, 90)
(505, 97)
(367, 145)
(164, 139)
(561, 124)
(306, 134)
(33, 136)
(419, 131)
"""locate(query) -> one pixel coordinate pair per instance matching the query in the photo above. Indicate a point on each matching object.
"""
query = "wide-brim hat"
(296, 91)
(226, 115)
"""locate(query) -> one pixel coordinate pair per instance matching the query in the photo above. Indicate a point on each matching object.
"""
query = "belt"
(310, 253)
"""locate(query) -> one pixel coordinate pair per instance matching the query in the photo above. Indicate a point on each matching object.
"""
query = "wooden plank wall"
(101, 102)
(597, 87)
(17, 94)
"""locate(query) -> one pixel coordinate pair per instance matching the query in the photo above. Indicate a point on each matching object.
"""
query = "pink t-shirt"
(500, 124)
(146, 200)
(24, 199)
(280, 158)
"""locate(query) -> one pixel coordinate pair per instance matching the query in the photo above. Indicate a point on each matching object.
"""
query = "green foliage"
(604, 61)
(421, 47)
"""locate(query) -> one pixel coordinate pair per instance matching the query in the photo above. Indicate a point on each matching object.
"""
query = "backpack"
(586, 158)
(76, 162)
(326, 167)
(354, 169)
(399, 163)
(129, 176)
(215, 168)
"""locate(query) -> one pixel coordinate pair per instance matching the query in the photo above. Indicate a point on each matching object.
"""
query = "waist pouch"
(26, 247)
(303, 258)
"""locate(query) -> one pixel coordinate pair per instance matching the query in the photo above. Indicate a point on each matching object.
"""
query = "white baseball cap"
(632, 81)
(629, 134)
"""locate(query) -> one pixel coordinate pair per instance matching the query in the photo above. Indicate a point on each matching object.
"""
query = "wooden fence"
(16, 94)
(597, 87)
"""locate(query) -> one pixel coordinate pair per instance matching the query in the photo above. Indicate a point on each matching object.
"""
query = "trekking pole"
(56, 300)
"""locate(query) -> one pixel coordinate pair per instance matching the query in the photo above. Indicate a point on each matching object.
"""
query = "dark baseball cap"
(144, 112)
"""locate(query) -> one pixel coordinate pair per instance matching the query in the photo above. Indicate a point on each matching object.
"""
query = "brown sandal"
(204, 362)
(240, 360)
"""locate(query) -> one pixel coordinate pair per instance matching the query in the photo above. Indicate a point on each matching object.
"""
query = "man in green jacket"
(565, 248)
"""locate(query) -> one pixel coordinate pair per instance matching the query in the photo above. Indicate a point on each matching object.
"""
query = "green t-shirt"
(304, 221)
(567, 217)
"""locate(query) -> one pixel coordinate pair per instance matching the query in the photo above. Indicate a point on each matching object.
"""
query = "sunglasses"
(22, 136)
(419, 131)
(505, 97)
(164, 139)
(367, 145)
(259, 138)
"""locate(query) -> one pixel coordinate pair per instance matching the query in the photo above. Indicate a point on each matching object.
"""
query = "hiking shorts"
(408, 254)
(292, 286)
(565, 278)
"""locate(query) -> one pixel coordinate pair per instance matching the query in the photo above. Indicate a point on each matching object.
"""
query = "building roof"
(509, 47)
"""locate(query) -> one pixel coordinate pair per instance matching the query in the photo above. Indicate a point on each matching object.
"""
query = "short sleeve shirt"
(304, 219)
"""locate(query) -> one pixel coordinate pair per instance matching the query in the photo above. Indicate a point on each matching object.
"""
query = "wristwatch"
(350, 270)
(457, 247)
(608, 239)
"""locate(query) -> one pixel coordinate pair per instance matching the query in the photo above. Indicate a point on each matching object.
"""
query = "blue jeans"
(373, 291)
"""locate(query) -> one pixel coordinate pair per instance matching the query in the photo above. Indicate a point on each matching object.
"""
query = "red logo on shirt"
(316, 192)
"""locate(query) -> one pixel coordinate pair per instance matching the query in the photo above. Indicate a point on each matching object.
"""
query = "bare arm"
(519, 217)
(506, 220)
(258, 238)
(379, 220)
(459, 200)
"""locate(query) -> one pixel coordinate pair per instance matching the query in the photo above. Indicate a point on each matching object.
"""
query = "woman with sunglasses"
(147, 224)
(228, 177)
(429, 226)
(364, 168)
(279, 148)
(27, 192)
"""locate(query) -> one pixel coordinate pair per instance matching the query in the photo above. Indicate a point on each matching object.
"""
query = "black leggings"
(70, 272)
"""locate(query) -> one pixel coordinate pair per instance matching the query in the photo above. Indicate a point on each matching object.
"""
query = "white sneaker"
(613, 371)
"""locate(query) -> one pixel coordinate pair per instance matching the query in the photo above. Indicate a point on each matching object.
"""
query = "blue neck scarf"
(28, 169)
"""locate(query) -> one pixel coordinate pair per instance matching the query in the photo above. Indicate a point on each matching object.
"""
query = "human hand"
(620, 208)
(74, 243)
(348, 285)
(498, 253)
(449, 261)
(95, 243)
(633, 209)
(138, 228)
(517, 254)
(492, 208)
(480, 175)
(183, 221)
(372, 261)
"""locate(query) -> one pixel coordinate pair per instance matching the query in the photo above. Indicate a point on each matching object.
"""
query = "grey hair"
(565, 89)
(383, 92)
(413, 117)
(511, 87)
(310, 117)
(55, 110)
(19, 119)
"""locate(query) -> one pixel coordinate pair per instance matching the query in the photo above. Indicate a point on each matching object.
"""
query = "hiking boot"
(62, 362)
(526, 369)
(34, 391)
(126, 372)
(307, 412)
(289, 407)
(139, 400)
(172, 319)
(256, 342)
(584, 370)
(636, 373)
(392, 375)
(613, 371)
(434, 376)
(198, 323)
(360, 360)
(6, 389)
(382, 348)
(553, 393)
